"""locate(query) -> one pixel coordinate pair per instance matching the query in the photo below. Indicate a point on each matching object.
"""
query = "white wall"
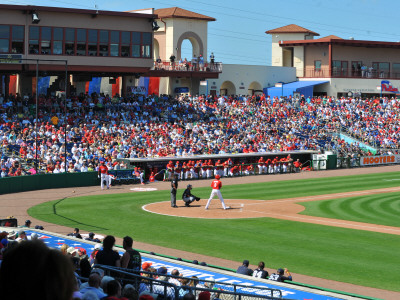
(345, 85)
(277, 52)
(267, 76)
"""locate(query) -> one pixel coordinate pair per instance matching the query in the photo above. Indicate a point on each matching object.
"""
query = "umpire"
(174, 188)
(188, 197)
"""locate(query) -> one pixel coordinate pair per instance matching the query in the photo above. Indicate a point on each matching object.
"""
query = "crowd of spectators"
(71, 273)
(101, 127)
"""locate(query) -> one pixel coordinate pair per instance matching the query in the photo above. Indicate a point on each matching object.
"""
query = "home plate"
(143, 189)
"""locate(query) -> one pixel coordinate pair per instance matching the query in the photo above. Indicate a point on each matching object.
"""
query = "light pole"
(36, 115)
(65, 117)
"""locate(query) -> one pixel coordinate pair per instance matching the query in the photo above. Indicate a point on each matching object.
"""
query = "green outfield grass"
(345, 255)
(383, 209)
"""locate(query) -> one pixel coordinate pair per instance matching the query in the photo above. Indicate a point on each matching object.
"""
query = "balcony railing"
(188, 66)
(369, 73)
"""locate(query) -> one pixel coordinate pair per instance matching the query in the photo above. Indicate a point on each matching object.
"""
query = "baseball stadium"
(285, 189)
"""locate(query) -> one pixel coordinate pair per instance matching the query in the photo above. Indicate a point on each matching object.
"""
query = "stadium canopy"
(305, 88)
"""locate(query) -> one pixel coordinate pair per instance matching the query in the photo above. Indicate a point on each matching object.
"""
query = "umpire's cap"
(189, 186)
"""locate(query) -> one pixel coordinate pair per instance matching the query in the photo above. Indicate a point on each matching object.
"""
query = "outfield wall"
(47, 181)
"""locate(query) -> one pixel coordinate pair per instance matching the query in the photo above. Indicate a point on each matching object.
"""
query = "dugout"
(157, 165)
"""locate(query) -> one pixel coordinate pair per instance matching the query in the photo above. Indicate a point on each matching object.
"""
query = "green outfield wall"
(47, 181)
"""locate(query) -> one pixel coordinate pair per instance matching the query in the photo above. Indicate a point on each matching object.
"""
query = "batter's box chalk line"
(143, 189)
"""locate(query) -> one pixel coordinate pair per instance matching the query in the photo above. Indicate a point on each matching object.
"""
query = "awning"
(305, 88)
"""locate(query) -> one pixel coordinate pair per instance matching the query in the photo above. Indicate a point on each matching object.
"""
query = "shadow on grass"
(72, 220)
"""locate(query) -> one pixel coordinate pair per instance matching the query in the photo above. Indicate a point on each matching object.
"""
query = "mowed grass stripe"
(383, 209)
(386, 207)
(309, 187)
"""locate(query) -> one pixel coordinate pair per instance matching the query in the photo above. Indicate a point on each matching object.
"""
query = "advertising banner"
(137, 90)
(386, 86)
(379, 160)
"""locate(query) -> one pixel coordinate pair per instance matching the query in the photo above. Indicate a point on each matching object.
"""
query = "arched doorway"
(227, 88)
(187, 50)
(195, 41)
(156, 49)
(255, 88)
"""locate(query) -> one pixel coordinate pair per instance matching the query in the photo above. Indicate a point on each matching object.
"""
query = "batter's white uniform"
(103, 172)
(216, 186)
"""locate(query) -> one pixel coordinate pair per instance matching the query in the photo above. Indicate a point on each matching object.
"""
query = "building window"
(76, 41)
(17, 39)
(317, 65)
(103, 46)
(136, 42)
(396, 70)
(92, 42)
(382, 69)
(33, 40)
(336, 66)
(125, 43)
(4, 38)
(356, 68)
(339, 68)
(114, 43)
(147, 41)
(69, 41)
(81, 42)
(45, 39)
(58, 37)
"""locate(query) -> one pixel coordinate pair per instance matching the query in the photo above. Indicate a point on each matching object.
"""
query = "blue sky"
(238, 36)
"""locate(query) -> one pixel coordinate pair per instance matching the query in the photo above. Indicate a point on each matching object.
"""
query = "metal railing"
(145, 281)
(188, 66)
(234, 170)
(368, 73)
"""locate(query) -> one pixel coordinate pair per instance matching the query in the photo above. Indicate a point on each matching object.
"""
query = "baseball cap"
(217, 176)
(280, 271)
(97, 247)
(146, 265)
(162, 271)
(71, 250)
(246, 262)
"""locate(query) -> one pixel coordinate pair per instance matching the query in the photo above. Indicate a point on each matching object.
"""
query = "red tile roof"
(292, 28)
(176, 12)
(331, 37)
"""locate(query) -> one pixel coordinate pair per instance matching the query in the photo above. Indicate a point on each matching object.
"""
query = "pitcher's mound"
(238, 209)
